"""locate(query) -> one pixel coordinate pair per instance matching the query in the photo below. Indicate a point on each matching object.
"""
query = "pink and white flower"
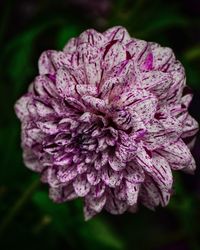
(107, 120)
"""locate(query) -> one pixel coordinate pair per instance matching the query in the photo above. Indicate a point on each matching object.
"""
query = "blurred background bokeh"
(28, 219)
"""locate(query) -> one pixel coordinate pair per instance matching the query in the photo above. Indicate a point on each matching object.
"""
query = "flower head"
(107, 120)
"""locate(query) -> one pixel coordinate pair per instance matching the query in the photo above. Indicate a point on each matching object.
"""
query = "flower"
(107, 120)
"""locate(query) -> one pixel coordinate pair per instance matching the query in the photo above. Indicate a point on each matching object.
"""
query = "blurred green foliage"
(28, 218)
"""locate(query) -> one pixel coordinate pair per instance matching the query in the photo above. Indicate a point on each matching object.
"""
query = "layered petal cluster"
(107, 119)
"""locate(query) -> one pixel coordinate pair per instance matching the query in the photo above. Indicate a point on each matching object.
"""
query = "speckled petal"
(117, 33)
(132, 192)
(45, 64)
(177, 153)
(115, 206)
(96, 204)
(21, 107)
(162, 57)
(111, 178)
(81, 186)
(66, 83)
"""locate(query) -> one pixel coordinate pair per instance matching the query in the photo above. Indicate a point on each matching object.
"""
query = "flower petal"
(117, 33)
(93, 177)
(45, 63)
(162, 57)
(67, 173)
(81, 186)
(116, 164)
(115, 206)
(21, 107)
(177, 153)
(114, 53)
(156, 81)
(110, 177)
(66, 83)
(62, 194)
(96, 204)
(132, 192)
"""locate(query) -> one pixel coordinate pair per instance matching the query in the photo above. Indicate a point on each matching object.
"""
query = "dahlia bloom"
(107, 120)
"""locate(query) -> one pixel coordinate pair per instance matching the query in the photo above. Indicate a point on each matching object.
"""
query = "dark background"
(28, 219)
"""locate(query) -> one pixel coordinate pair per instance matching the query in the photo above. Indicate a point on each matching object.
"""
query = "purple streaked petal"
(162, 57)
(91, 37)
(117, 33)
(67, 173)
(149, 195)
(96, 204)
(177, 153)
(110, 177)
(156, 81)
(88, 213)
(98, 190)
(21, 107)
(115, 206)
(71, 46)
(81, 186)
(61, 194)
(133, 173)
(65, 83)
(93, 177)
(114, 53)
(45, 64)
(94, 103)
(190, 127)
(137, 48)
(116, 164)
(132, 192)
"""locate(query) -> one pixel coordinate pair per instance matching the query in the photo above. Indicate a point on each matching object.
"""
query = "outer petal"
(117, 33)
(93, 177)
(71, 46)
(111, 177)
(98, 190)
(90, 59)
(190, 127)
(149, 194)
(162, 173)
(162, 57)
(133, 173)
(137, 48)
(96, 204)
(156, 167)
(67, 174)
(66, 83)
(88, 213)
(44, 86)
(115, 206)
(31, 161)
(132, 192)
(81, 186)
(92, 37)
(156, 81)
(61, 194)
(45, 64)
(114, 53)
(21, 107)
(177, 153)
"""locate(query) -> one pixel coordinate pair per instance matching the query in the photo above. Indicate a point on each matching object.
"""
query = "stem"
(18, 205)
